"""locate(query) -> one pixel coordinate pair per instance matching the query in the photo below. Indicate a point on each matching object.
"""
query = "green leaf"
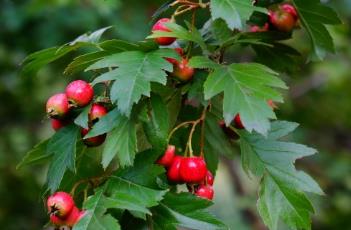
(93, 37)
(105, 124)
(136, 70)
(313, 16)
(156, 125)
(36, 155)
(220, 30)
(95, 217)
(234, 12)
(282, 187)
(83, 118)
(180, 32)
(121, 142)
(246, 88)
(186, 211)
(63, 147)
(196, 89)
(82, 62)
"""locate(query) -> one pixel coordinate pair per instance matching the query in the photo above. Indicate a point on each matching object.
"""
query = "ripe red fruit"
(92, 141)
(160, 26)
(175, 61)
(57, 106)
(257, 28)
(289, 9)
(79, 93)
(57, 124)
(73, 217)
(209, 180)
(183, 71)
(205, 191)
(60, 204)
(167, 158)
(97, 111)
(193, 169)
(237, 122)
(283, 21)
(56, 220)
(173, 171)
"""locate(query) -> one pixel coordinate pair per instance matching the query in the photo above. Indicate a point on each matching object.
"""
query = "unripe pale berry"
(57, 106)
(167, 158)
(183, 71)
(193, 170)
(79, 93)
(283, 21)
(60, 204)
(160, 26)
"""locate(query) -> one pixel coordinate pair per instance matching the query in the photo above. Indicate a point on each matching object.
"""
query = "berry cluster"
(283, 18)
(181, 70)
(78, 94)
(189, 170)
(62, 210)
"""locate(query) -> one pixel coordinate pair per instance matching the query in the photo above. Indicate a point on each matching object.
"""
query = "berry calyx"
(92, 141)
(175, 61)
(237, 122)
(57, 106)
(205, 191)
(60, 204)
(96, 112)
(183, 71)
(193, 169)
(167, 158)
(79, 93)
(257, 28)
(283, 21)
(289, 9)
(173, 174)
(160, 26)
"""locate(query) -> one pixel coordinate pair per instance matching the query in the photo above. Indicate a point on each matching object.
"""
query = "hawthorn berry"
(96, 112)
(160, 26)
(173, 173)
(289, 9)
(57, 106)
(237, 122)
(57, 124)
(79, 93)
(60, 204)
(73, 217)
(167, 158)
(205, 191)
(182, 70)
(92, 141)
(175, 61)
(57, 220)
(193, 169)
(209, 180)
(257, 28)
(281, 20)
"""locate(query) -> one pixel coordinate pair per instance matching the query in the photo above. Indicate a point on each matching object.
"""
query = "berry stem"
(178, 127)
(195, 123)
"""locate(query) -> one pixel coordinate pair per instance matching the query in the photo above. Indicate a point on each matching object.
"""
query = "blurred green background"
(319, 99)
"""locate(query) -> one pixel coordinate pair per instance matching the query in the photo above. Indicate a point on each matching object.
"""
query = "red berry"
(289, 9)
(283, 21)
(272, 104)
(257, 28)
(92, 141)
(56, 220)
(57, 106)
(97, 111)
(167, 158)
(79, 93)
(205, 191)
(175, 61)
(183, 71)
(60, 204)
(209, 180)
(237, 122)
(193, 169)
(173, 171)
(73, 217)
(57, 124)
(160, 26)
